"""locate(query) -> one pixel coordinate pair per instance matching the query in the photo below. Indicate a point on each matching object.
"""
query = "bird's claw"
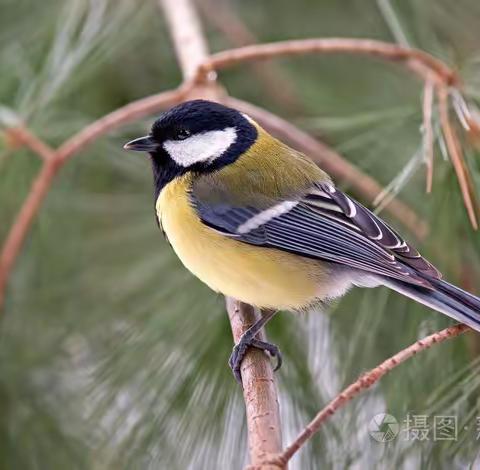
(240, 349)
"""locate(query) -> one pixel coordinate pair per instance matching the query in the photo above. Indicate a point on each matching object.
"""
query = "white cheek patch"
(204, 147)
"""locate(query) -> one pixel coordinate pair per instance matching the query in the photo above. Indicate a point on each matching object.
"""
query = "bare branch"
(55, 159)
(16, 236)
(365, 382)
(416, 60)
(187, 35)
(332, 162)
(129, 113)
(259, 390)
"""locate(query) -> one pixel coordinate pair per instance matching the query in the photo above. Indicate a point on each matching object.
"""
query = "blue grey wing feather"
(327, 225)
(376, 229)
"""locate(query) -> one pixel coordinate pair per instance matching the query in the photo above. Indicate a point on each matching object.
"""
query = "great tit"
(260, 222)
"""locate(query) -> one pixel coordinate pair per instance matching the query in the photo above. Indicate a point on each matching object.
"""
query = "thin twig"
(454, 149)
(332, 162)
(411, 58)
(363, 383)
(427, 67)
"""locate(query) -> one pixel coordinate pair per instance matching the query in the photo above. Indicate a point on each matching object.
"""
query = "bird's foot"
(240, 349)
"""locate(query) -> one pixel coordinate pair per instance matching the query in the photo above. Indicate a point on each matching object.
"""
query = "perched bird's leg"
(248, 340)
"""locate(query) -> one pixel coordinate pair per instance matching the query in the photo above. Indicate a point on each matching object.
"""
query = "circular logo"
(383, 427)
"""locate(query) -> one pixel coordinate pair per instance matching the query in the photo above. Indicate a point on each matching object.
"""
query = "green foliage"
(112, 356)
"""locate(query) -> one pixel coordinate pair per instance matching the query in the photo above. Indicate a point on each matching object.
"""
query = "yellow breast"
(262, 277)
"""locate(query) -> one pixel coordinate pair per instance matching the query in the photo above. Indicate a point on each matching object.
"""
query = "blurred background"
(112, 356)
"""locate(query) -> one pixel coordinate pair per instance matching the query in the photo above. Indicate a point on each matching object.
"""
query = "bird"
(261, 222)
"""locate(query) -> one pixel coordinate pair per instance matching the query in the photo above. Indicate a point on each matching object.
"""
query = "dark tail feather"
(445, 298)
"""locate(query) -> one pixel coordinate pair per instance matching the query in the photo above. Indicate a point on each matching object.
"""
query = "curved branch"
(416, 60)
(53, 161)
(332, 162)
(16, 236)
(363, 383)
(128, 113)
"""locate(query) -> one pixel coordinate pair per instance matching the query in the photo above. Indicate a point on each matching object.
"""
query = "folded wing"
(322, 223)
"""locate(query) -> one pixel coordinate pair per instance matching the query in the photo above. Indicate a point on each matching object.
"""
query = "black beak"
(142, 144)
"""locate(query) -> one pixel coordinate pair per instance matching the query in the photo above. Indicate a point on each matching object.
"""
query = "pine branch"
(259, 391)
(419, 62)
(363, 383)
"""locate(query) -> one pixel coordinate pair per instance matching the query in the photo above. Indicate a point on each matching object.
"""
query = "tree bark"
(259, 391)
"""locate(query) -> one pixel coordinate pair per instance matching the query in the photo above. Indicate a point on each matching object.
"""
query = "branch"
(187, 35)
(259, 391)
(332, 162)
(16, 236)
(419, 62)
(363, 383)
(124, 115)
(53, 161)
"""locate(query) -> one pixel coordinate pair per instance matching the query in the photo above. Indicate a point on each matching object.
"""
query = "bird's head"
(199, 136)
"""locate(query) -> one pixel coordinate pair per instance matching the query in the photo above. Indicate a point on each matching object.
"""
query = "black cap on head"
(199, 135)
(196, 116)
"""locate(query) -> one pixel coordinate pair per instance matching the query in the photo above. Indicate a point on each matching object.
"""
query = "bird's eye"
(182, 134)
